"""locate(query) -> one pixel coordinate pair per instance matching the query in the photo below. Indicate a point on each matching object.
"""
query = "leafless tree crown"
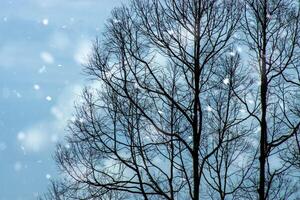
(191, 99)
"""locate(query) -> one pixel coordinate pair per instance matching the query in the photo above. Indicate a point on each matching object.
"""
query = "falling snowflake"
(250, 101)
(48, 176)
(48, 98)
(36, 87)
(209, 109)
(231, 53)
(117, 21)
(226, 81)
(45, 22)
(47, 57)
(81, 120)
(42, 70)
(21, 136)
(136, 85)
(18, 94)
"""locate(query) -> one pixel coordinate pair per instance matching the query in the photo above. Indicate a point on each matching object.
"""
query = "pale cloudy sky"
(42, 43)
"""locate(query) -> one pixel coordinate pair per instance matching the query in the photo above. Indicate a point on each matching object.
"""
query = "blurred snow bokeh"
(40, 135)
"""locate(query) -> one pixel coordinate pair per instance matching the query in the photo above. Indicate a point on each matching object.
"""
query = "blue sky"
(42, 46)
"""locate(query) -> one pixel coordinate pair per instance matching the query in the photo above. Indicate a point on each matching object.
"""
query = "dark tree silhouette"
(271, 30)
(179, 112)
(227, 171)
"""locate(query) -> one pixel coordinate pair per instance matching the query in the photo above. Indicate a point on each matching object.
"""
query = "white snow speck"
(116, 21)
(160, 112)
(5, 19)
(42, 70)
(250, 101)
(47, 57)
(136, 86)
(209, 109)
(45, 22)
(48, 176)
(18, 94)
(231, 53)
(226, 81)
(36, 87)
(48, 98)
(21, 136)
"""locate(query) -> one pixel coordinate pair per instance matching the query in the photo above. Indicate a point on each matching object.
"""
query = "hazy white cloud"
(59, 40)
(17, 53)
(36, 137)
(33, 139)
(83, 52)
(18, 166)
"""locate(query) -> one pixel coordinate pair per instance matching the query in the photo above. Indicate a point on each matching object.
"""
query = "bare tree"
(145, 132)
(271, 30)
(179, 112)
(228, 170)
